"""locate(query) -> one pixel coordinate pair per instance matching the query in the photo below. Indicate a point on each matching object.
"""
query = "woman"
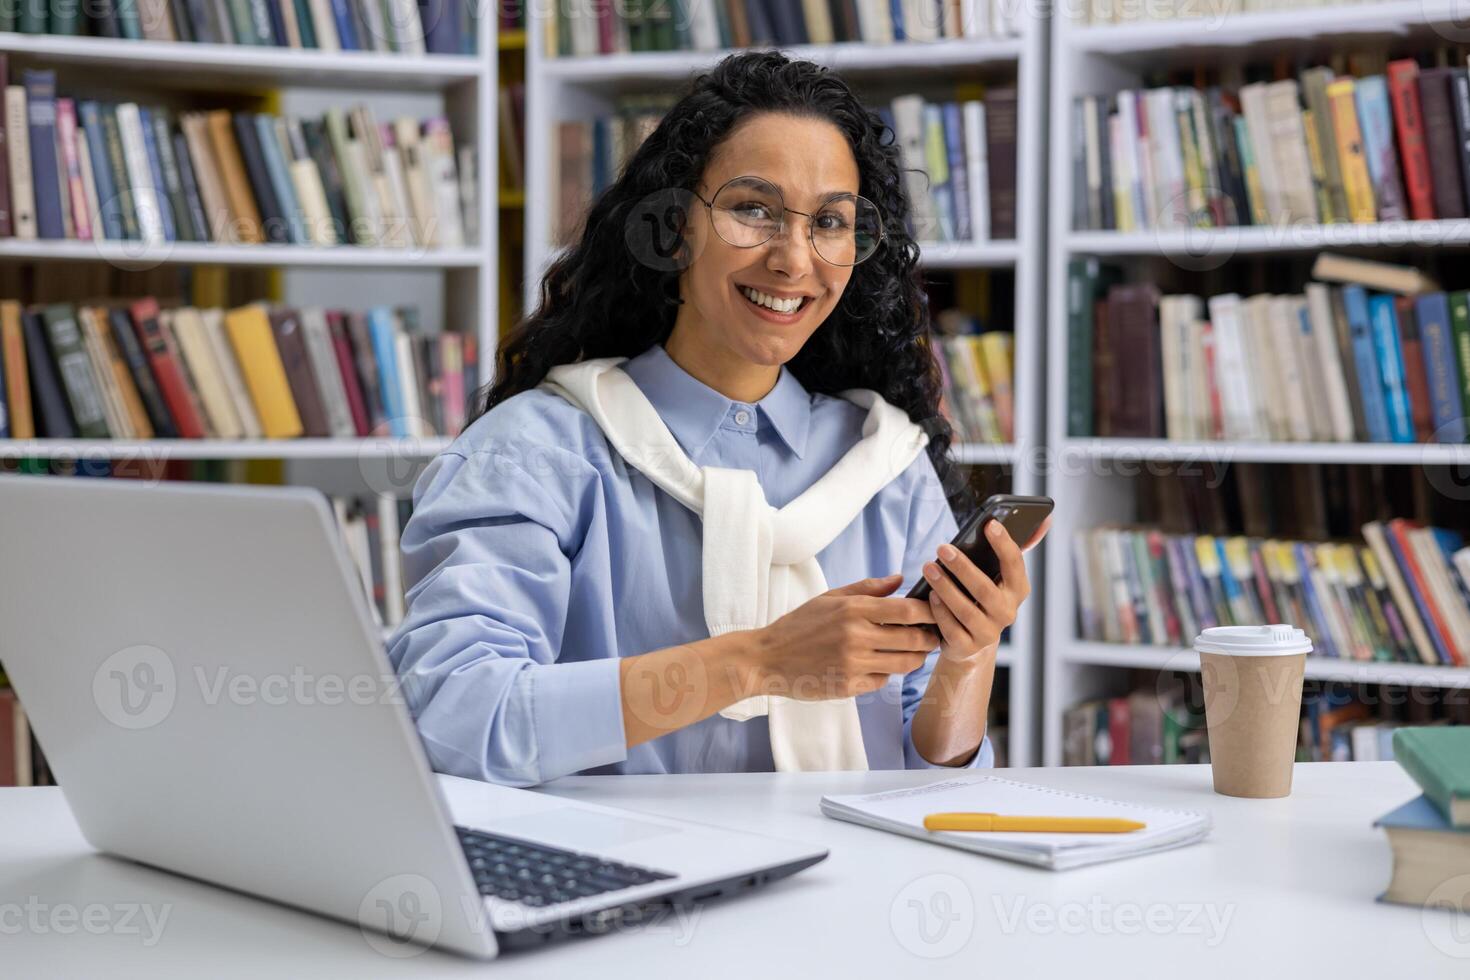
(621, 565)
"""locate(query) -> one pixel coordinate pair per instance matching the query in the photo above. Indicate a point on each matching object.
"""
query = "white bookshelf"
(1094, 479)
(559, 89)
(459, 284)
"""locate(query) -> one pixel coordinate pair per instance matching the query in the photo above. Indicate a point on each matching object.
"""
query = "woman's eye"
(752, 209)
(831, 221)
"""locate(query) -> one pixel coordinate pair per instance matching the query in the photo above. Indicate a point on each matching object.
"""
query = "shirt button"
(742, 417)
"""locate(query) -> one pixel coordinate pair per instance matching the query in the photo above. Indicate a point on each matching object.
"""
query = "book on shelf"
(1321, 147)
(131, 172)
(1335, 363)
(960, 162)
(583, 28)
(139, 370)
(1394, 597)
(977, 369)
(392, 27)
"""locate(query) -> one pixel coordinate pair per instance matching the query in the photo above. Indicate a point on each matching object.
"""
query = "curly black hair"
(599, 300)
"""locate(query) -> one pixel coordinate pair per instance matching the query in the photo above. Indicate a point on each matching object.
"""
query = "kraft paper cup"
(1253, 699)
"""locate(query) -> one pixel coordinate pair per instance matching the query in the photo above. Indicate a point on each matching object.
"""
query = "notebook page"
(989, 794)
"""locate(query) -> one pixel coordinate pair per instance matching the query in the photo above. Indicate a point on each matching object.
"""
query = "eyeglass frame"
(810, 231)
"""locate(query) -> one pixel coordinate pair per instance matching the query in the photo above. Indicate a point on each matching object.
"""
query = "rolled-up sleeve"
(486, 555)
(931, 523)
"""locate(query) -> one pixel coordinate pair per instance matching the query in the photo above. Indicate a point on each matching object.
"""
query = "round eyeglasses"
(749, 211)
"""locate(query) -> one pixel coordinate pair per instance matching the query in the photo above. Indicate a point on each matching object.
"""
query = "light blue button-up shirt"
(537, 557)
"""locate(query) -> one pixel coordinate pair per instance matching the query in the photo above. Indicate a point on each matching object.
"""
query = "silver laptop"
(203, 673)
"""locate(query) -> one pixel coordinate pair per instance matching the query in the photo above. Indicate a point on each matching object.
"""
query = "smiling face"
(810, 161)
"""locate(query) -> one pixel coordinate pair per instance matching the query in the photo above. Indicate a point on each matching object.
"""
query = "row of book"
(1105, 12)
(89, 170)
(1401, 595)
(1163, 722)
(372, 527)
(589, 27)
(1331, 364)
(136, 370)
(1319, 148)
(978, 370)
(960, 161)
(411, 27)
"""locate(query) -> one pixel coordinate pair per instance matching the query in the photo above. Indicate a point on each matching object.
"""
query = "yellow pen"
(1055, 825)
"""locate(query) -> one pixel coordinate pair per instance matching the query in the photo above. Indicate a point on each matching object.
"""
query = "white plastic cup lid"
(1276, 640)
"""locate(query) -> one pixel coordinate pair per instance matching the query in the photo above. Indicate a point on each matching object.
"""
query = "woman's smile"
(783, 308)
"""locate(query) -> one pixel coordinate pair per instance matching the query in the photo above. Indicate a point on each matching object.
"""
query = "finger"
(904, 639)
(896, 611)
(1038, 534)
(976, 582)
(894, 663)
(1012, 565)
(870, 586)
(970, 615)
(954, 633)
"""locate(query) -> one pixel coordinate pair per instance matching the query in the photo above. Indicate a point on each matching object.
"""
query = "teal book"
(1385, 323)
(1438, 759)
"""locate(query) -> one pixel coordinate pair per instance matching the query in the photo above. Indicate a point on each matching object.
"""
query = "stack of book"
(1430, 835)
(1404, 596)
(1163, 721)
(135, 370)
(89, 170)
(411, 27)
(588, 27)
(960, 159)
(1336, 363)
(978, 371)
(1322, 147)
(1105, 12)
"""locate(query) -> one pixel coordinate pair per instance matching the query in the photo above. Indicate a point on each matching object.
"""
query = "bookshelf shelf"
(1165, 450)
(225, 65)
(969, 255)
(139, 255)
(166, 449)
(670, 65)
(1224, 242)
(1239, 29)
(981, 453)
(1092, 479)
(1318, 668)
(581, 88)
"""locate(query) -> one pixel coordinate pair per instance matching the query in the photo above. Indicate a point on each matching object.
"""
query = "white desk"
(1281, 888)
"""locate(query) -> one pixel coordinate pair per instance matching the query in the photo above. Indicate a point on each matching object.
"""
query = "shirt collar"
(693, 410)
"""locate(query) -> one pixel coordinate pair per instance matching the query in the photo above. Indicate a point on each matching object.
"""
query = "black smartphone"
(1020, 516)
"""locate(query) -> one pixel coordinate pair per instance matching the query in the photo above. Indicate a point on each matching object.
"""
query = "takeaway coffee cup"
(1253, 698)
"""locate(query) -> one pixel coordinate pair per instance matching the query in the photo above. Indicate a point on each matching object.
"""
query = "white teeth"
(771, 302)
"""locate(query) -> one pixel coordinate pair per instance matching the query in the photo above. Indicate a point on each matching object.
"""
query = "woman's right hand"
(844, 642)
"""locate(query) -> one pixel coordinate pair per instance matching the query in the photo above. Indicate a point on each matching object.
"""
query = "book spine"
(1403, 83)
(75, 370)
(40, 89)
(1390, 357)
(1433, 315)
(1375, 119)
(168, 368)
(1370, 385)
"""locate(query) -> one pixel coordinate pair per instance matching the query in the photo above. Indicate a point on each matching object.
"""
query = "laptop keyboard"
(536, 875)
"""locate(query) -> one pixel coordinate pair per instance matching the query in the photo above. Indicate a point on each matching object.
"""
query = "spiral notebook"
(902, 811)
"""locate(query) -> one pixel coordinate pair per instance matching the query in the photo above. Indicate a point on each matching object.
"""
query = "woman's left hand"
(972, 627)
